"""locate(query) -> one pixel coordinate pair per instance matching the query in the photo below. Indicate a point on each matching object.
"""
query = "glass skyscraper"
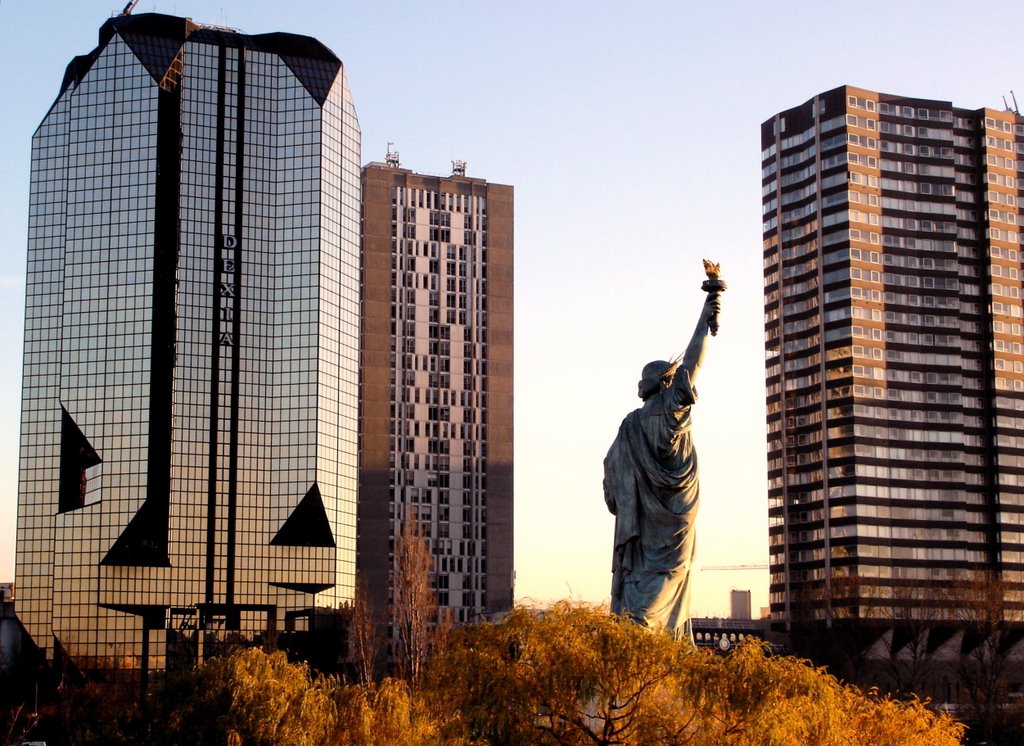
(189, 412)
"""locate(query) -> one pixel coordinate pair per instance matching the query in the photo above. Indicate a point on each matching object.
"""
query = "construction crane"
(757, 566)
(129, 8)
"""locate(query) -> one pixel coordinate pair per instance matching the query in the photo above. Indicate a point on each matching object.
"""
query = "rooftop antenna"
(392, 157)
(1012, 109)
(129, 7)
(458, 168)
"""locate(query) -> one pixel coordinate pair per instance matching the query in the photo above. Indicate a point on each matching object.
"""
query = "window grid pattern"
(286, 375)
(440, 386)
(889, 344)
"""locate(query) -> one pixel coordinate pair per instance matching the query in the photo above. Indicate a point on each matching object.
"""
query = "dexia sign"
(227, 289)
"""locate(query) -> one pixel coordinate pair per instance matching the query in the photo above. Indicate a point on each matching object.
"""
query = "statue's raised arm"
(650, 484)
(708, 321)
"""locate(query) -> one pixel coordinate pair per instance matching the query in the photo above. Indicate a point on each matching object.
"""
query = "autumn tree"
(992, 626)
(364, 636)
(575, 675)
(102, 705)
(389, 712)
(249, 697)
(752, 699)
(570, 676)
(914, 615)
(829, 627)
(413, 610)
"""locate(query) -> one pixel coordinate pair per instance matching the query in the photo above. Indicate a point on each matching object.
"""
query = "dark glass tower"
(895, 368)
(188, 448)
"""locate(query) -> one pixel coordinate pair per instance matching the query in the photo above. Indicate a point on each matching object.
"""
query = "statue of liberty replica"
(651, 485)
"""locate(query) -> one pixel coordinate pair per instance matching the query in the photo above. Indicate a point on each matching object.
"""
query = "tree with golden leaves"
(389, 712)
(249, 697)
(574, 675)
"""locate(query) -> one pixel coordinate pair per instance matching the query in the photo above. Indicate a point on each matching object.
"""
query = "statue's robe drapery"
(650, 484)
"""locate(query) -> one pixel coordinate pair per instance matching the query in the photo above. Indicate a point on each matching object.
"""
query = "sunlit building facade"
(894, 368)
(189, 411)
(436, 387)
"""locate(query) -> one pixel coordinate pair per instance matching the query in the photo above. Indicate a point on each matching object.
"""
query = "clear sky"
(631, 134)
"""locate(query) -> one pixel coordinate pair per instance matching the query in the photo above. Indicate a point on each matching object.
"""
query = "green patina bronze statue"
(650, 485)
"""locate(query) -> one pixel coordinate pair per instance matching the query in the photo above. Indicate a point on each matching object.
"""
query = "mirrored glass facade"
(189, 426)
(894, 366)
(436, 388)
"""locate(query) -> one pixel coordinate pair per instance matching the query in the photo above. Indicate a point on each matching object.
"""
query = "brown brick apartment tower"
(436, 389)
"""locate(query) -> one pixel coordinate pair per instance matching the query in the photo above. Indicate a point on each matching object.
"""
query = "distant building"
(436, 389)
(723, 635)
(189, 411)
(895, 366)
(739, 603)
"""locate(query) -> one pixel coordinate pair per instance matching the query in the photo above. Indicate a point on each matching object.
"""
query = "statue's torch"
(714, 284)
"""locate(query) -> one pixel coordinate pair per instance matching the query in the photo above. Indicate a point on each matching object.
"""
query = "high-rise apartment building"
(436, 387)
(189, 414)
(895, 367)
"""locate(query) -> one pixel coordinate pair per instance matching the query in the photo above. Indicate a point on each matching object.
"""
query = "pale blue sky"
(631, 134)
